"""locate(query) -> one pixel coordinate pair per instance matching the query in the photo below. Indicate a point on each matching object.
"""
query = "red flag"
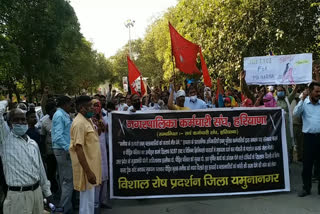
(205, 72)
(135, 79)
(184, 51)
(243, 97)
(219, 89)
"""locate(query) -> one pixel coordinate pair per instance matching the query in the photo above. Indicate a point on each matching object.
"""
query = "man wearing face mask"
(22, 165)
(85, 155)
(285, 102)
(193, 102)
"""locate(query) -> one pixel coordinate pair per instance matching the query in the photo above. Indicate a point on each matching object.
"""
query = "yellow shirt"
(176, 107)
(83, 133)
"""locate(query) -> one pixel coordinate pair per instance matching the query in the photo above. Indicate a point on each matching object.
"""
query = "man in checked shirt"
(22, 165)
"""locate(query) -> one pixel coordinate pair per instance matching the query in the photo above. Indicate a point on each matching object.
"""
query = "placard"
(279, 70)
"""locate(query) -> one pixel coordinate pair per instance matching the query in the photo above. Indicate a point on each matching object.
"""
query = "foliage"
(228, 31)
(41, 45)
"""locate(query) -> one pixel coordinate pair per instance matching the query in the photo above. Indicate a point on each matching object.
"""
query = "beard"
(137, 105)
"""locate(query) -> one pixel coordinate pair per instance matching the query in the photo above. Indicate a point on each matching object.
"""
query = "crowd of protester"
(69, 140)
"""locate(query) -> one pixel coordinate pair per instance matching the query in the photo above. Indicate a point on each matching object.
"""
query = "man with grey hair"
(22, 165)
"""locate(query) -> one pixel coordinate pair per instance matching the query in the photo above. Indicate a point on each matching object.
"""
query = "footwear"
(304, 193)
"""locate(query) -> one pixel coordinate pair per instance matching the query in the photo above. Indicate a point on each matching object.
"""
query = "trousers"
(65, 179)
(311, 153)
(28, 202)
(87, 201)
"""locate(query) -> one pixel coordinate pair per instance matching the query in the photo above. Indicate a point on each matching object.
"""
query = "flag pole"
(174, 72)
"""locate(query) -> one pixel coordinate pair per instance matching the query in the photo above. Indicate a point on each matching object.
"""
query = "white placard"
(278, 70)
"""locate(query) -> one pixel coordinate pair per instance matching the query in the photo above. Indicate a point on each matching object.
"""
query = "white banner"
(278, 70)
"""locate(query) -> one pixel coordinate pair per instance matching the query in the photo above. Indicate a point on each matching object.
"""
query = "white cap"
(270, 88)
(181, 93)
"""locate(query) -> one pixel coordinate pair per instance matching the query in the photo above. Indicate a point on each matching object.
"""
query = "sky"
(102, 22)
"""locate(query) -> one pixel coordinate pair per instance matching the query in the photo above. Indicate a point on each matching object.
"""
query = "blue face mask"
(89, 114)
(19, 129)
(281, 94)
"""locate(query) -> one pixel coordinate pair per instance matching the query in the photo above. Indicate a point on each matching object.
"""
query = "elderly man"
(309, 109)
(85, 155)
(22, 165)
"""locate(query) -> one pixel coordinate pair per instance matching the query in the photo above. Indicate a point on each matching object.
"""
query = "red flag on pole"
(219, 89)
(184, 51)
(135, 79)
(205, 72)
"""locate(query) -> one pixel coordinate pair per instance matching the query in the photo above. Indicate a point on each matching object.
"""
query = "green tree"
(229, 30)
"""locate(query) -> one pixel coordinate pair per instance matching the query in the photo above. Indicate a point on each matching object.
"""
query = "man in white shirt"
(22, 165)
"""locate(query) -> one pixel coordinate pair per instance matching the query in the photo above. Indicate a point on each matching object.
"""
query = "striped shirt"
(21, 159)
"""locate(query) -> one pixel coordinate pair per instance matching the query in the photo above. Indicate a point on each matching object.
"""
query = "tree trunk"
(10, 93)
(14, 87)
(29, 87)
(35, 93)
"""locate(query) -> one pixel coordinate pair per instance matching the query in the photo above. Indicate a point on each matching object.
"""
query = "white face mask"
(19, 129)
(193, 98)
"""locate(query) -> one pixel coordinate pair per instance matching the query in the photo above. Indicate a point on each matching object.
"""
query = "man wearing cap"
(180, 99)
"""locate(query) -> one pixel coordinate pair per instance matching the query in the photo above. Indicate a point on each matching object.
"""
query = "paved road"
(280, 203)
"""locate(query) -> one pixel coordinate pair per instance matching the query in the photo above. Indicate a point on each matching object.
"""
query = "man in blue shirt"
(309, 109)
(60, 134)
(193, 102)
